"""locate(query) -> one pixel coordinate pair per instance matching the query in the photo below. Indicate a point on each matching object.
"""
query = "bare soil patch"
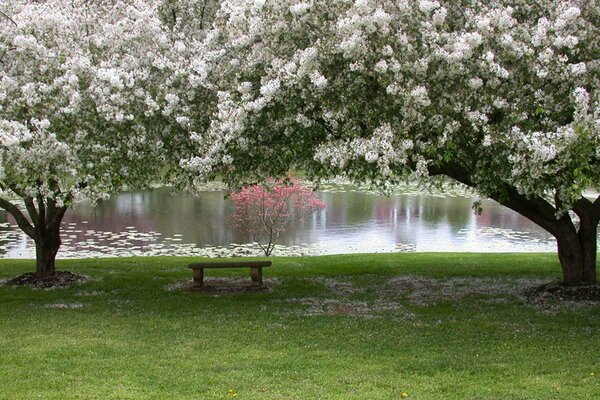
(552, 293)
(338, 286)
(61, 279)
(318, 306)
(222, 286)
(420, 290)
(337, 300)
(66, 306)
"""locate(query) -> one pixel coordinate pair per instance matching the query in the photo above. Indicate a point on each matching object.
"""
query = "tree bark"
(571, 258)
(47, 235)
(47, 245)
(589, 216)
(589, 248)
(577, 262)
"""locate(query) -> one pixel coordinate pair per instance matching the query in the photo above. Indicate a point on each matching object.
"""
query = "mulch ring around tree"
(555, 292)
(60, 279)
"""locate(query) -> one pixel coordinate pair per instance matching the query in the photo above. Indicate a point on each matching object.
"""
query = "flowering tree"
(500, 95)
(268, 210)
(85, 106)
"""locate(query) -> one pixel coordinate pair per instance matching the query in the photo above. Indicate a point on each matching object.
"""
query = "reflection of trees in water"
(357, 208)
(456, 212)
(349, 216)
(411, 219)
(201, 220)
(399, 218)
(496, 216)
(343, 211)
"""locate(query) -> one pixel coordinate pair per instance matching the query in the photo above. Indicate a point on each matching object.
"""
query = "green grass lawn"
(431, 326)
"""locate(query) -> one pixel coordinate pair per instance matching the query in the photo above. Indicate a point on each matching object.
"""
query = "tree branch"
(41, 208)
(56, 219)
(536, 209)
(8, 18)
(51, 210)
(584, 208)
(22, 221)
(18, 192)
(202, 15)
(33, 214)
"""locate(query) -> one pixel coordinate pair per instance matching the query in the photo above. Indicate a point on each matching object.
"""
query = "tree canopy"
(87, 95)
(500, 95)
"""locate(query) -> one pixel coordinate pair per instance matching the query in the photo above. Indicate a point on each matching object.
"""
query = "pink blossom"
(268, 210)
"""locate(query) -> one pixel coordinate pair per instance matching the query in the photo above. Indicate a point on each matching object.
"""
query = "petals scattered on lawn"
(64, 305)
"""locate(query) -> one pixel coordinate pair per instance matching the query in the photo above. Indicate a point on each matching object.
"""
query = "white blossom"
(354, 80)
(381, 66)
(300, 9)
(270, 88)
(318, 80)
(427, 6)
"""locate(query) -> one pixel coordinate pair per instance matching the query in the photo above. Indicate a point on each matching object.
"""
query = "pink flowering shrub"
(267, 210)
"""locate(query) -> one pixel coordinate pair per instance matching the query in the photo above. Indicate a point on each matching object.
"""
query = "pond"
(159, 222)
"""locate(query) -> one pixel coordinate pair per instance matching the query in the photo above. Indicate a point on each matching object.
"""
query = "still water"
(159, 222)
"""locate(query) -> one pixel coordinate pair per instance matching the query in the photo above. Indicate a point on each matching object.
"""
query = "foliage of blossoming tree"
(501, 95)
(268, 210)
(86, 102)
(188, 96)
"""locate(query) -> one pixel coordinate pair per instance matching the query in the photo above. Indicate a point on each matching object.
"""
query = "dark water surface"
(161, 223)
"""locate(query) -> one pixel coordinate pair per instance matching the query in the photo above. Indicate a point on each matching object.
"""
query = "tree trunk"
(43, 226)
(571, 259)
(577, 251)
(588, 239)
(46, 248)
(577, 268)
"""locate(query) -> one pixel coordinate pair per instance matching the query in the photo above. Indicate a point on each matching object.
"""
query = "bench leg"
(199, 277)
(256, 274)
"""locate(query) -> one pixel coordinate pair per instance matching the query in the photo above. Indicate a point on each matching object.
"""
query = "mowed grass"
(426, 326)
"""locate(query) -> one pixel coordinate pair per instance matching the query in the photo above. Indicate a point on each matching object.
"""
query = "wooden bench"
(255, 269)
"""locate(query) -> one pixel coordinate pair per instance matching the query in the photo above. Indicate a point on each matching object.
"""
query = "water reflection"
(159, 222)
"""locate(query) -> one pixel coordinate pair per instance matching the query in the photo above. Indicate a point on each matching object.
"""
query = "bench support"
(255, 270)
(256, 274)
(198, 277)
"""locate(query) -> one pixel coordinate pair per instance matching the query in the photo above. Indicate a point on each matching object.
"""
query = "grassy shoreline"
(368, 326)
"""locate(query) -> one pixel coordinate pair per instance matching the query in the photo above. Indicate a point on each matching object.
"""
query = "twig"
(8, 18)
